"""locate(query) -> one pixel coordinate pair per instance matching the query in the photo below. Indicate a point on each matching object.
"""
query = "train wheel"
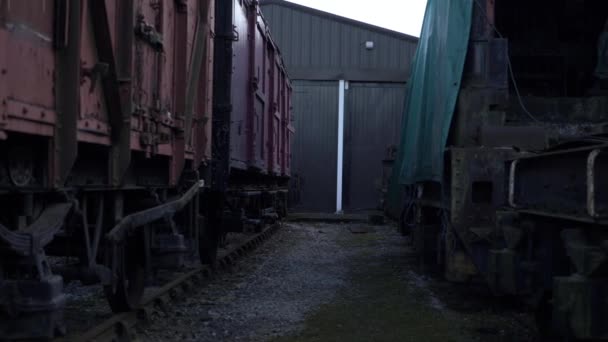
(209, 243)
(129, 286)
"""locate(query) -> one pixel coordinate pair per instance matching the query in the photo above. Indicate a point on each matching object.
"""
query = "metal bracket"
(39, 234)
(234, 37)
(139, 219)
(148, 34)
(98, 71)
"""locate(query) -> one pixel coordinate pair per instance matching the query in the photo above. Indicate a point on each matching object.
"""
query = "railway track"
(121, 327)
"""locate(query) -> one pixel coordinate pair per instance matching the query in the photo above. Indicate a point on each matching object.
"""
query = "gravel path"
(322, 282)
(268, 294)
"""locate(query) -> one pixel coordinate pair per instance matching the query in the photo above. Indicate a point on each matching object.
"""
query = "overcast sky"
(398, 15)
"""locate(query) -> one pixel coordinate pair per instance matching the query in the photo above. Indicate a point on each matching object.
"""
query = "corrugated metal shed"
(320, 46)
(319, 50)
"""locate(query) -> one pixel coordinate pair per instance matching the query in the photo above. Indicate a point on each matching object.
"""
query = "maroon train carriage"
(252, 122)
(113, 149)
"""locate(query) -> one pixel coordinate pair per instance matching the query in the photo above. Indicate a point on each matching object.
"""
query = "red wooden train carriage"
(105, 121)
(114, 151)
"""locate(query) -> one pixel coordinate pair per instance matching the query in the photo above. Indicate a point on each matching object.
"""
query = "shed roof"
(341, 19)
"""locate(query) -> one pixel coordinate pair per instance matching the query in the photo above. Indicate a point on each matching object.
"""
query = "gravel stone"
(308, 279)
(271, 292)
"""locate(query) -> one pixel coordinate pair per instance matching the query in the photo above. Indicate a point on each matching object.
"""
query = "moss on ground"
(379, 304)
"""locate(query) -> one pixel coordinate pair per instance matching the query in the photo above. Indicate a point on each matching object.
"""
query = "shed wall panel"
(372, 124)
(315, 146)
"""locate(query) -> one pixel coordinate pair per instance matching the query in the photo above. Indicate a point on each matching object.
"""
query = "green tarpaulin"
(601, 71)
(432, 93)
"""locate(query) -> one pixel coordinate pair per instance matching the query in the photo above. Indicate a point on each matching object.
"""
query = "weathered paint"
(115, 70)
(259, 95)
